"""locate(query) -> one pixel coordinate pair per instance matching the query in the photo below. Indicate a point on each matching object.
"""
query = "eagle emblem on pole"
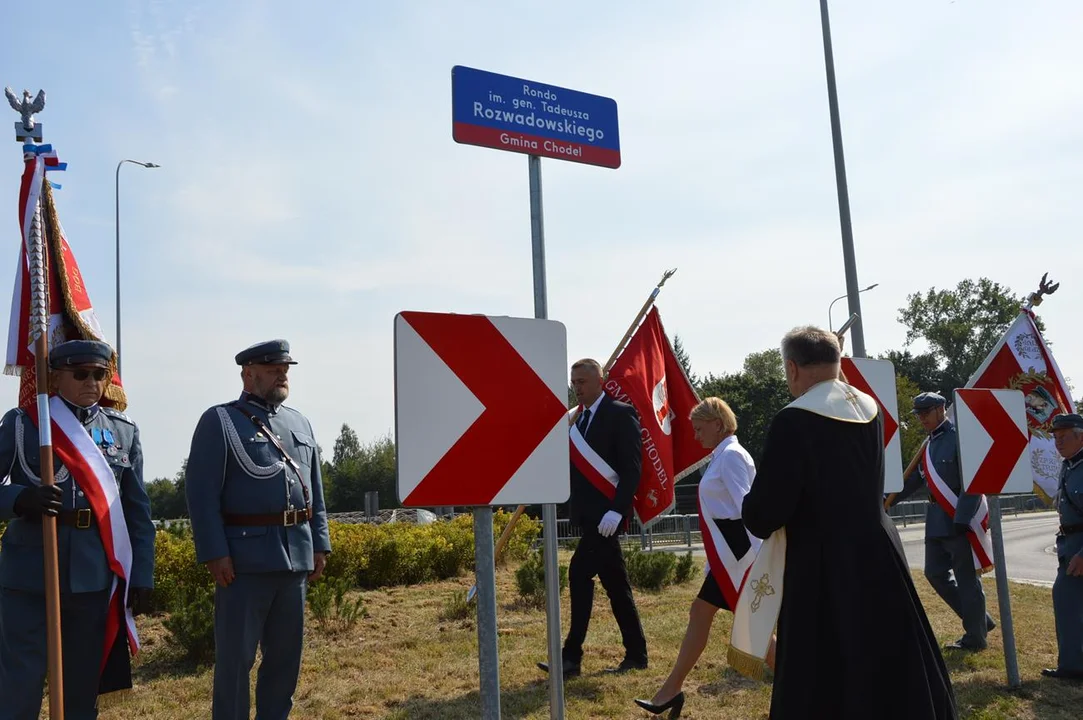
(27, 108)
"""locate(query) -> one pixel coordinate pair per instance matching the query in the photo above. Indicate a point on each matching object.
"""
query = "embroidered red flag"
(648, 376)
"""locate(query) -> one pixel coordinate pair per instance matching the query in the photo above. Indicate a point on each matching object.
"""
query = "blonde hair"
(715, 408)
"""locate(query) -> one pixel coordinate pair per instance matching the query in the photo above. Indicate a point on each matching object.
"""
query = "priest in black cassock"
(853, 638)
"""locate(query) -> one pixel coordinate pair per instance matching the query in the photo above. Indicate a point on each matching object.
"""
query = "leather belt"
(286, 518)
(80, 519)
(1071, 529)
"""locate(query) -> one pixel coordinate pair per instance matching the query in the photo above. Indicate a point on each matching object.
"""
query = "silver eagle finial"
(26, 107)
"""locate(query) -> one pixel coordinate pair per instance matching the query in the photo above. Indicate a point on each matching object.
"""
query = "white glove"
(609, 524)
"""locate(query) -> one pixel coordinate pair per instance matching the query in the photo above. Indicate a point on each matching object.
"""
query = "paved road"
(1028, 547)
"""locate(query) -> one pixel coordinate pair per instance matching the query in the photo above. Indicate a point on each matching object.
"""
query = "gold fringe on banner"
(114, 394)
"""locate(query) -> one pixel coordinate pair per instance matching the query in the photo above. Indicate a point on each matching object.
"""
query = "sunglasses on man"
(81, 374)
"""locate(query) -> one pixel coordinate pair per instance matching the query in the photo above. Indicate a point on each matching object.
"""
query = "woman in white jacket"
(730, 547)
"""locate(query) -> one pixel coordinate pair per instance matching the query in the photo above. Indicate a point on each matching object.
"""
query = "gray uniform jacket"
(944, 451)
(1070, 506)
(83, 563)
(233, 468)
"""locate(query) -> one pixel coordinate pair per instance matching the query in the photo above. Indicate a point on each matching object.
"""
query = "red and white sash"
(590, 463)
(91, 472)
(980, 541)
(728, 571)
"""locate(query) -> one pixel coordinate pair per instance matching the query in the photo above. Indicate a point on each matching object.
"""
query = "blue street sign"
(507, 113)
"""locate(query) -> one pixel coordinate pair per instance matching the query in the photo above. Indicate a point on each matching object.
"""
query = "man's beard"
(277, 395)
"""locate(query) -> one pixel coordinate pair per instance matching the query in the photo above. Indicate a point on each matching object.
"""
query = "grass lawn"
(404, 662)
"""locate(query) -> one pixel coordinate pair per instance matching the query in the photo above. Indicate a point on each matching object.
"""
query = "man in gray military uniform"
(947, 548)
(80, 374)
(1068, 587)
(255, 498)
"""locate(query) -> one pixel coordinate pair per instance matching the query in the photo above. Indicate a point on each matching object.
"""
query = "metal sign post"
(549, 511)
(488, 660)
(1007, 628)
(538, 120)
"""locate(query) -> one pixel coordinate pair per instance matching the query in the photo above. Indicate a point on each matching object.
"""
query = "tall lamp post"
(830, 320)
(857, 332)
(117, 194)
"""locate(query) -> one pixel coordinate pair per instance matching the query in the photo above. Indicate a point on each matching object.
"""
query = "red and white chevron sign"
(993, 441)
(877, 378)
(480, 413)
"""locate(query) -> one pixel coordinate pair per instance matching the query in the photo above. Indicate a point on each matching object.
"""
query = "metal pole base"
(1007, 629)
(488, 660)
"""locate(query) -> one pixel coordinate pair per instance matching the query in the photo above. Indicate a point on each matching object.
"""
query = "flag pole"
(639, 318)
(505, 536)
(39, 324)
(38, 261)
(27, 130)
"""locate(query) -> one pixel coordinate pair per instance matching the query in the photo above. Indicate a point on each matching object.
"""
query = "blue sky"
(310, 188)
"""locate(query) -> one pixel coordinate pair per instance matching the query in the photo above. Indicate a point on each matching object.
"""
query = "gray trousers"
(1068, 614)
(264, 610)
(23, 653)
(963, 594)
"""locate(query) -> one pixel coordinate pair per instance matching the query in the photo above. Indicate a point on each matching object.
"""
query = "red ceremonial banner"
(648, 376)
(71, 314)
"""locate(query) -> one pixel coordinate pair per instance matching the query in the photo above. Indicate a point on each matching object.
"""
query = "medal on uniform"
(108, 434)
(112, 450)
(96, 433)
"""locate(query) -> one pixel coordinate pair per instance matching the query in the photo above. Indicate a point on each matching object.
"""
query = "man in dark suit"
(606, 463)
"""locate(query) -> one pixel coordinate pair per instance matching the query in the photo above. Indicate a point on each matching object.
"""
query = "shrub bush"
(175, 569)
(330, 607)
(456, 607)
(530, 579)
(649, 570)
(371, 556)
(684, 570)
(191, 622)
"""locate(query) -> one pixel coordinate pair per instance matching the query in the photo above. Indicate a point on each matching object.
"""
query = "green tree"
(355, 472)
(167, 500)
(347, 446)
(960, 326)
(755, 394)
(922, 370)
(682, 357)
(910, 431)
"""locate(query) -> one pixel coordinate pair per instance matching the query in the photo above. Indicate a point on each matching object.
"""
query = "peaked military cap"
(80, 352)
(927, 400)
(271, 352)
(1068, 420)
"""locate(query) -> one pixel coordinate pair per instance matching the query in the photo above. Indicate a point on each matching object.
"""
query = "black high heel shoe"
(675, 704)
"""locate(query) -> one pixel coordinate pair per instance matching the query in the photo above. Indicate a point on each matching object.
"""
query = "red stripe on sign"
(1008, 442)
(534, 145)
(520, 410)
(855, 378)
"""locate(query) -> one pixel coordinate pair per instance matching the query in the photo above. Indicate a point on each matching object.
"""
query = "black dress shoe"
(567, 669)
(990, 624)
(1063, 674)
(627, 664)
(675, 704)
(962, 645)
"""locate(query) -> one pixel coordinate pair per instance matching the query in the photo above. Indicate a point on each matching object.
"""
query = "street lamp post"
(830, 320)
(857, 332)
(117, 195)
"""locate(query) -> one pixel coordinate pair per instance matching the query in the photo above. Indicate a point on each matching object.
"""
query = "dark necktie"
(584, 420)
